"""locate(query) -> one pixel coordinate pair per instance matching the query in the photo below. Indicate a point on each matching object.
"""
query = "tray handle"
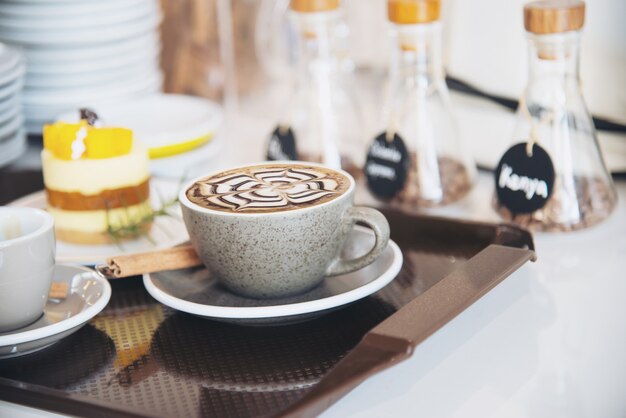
(394, 339)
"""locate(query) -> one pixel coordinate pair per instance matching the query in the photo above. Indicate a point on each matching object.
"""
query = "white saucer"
(10, 89)
(92, 66)
(47, 9)
(84, 36)
(167, 231)
(139, 69)
(13, 74)
(70, 97)
(12, 148)
(9, 111)
(11, 126)
(9, 59)
(161, 119)
(190, 164)
(40, 113)
(91, 19)
(10, 102)
(196, 292)
(88, 294)
(92, 56)
(174, 127)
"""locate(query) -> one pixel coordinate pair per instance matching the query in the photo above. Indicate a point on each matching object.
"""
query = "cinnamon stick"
(135, 264)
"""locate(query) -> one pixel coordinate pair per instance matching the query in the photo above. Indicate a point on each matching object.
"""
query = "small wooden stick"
(152, 262)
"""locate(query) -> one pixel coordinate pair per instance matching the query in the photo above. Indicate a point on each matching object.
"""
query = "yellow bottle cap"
(309, 6)
(408, 12)
(554, 16)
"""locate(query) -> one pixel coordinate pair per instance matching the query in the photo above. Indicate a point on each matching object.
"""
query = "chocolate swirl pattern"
(268, 188)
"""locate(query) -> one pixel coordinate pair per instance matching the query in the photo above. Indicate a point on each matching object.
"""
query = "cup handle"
(377, 222)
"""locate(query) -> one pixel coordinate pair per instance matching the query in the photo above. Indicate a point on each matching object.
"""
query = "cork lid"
(554, 16)
(407, 12)
(308, 6)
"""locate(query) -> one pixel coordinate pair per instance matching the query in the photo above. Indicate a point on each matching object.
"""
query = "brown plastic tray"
(140, 358)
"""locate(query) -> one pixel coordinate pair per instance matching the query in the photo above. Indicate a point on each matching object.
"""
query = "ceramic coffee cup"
(27, 248)
(276, 229)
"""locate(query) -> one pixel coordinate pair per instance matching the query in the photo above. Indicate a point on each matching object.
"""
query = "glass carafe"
(418, 109)
(553, 114)
(322, 113)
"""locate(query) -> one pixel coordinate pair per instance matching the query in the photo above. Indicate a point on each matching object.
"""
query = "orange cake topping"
(73, 141)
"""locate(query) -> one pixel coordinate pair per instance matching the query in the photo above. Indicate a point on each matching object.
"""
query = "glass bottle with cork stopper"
(556, 178)
(419, 125)
(322, 121)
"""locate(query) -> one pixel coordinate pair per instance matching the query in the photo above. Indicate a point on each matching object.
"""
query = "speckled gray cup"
(283, 253)
(27, 247)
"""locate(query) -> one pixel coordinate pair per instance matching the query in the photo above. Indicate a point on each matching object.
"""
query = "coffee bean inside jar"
(593, 202)
(451, 182)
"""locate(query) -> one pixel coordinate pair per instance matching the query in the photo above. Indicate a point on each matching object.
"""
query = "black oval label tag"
(524, 182)
(282, 145)
(386, 166)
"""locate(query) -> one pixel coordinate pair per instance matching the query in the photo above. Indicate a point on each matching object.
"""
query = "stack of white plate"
(82, 52)
(12, 137)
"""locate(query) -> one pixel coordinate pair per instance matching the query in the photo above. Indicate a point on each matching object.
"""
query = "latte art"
(268, 188)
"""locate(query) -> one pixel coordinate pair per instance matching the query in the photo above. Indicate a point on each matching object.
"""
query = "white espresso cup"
(27, 249)
(277, 229)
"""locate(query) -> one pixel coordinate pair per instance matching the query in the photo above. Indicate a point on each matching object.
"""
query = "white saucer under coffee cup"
(27, 248)
(279, 252)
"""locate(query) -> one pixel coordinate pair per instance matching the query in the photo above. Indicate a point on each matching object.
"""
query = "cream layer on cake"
(92, 176)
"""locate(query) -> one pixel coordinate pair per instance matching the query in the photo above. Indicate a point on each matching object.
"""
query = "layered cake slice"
(96, 180)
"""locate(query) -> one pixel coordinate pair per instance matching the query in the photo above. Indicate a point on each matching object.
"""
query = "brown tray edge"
(503, 233)
(394, 340)
(58, 401)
